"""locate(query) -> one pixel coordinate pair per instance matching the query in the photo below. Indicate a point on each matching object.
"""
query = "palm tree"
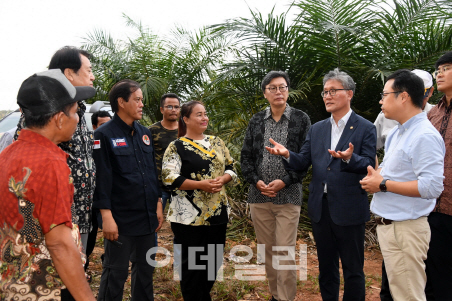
(367, 39)
(181, 63)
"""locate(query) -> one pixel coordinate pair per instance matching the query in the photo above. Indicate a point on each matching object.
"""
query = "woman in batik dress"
(196, 167)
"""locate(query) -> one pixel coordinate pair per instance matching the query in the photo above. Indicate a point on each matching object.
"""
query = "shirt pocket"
(126, 161)
(399, 161)
(148, 153)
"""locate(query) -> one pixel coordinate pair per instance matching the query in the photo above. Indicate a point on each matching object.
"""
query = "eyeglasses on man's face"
(273, 89)
(332, 92)
(442, 70)
(170, 108)
(383, 94)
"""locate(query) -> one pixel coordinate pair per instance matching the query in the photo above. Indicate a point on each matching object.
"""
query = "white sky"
(32, 30)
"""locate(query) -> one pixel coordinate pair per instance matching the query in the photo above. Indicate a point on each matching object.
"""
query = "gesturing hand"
(344, 155)
(278, 149)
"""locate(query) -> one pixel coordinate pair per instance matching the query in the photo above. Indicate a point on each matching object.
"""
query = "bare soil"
(165, 288)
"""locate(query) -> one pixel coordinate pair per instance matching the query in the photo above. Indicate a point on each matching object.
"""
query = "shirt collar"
(122, 125)
(412, 121)
(343, 121)
(443, 103)
(287, 111)
(33, 137)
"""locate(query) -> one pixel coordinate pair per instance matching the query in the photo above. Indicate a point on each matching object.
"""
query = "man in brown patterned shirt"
(439, 256)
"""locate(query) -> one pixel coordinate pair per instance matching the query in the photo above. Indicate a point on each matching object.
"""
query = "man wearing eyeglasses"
(385, 125)
(339, 149)
(275, 194)
(439, 256)
(163, 133)
(406, 185)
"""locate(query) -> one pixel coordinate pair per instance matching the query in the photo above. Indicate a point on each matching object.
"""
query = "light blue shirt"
(414, 151)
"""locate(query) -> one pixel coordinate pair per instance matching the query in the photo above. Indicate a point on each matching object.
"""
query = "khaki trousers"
(276, 225)
(404, 246)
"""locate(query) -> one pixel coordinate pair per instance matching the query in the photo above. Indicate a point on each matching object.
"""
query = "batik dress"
(197, 160)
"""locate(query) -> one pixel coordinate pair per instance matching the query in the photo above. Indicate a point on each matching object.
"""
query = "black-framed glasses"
(383, 94)
(274, 89)
(332, 92)
(441, 70)
(170, 108)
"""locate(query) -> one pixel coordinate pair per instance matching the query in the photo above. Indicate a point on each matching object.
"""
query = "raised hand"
(278, 149)
(344, 155)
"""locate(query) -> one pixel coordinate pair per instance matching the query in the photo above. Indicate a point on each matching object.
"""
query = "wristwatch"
(383, 186)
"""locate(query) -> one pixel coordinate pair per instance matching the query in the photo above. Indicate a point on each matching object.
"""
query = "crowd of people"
(60, 182)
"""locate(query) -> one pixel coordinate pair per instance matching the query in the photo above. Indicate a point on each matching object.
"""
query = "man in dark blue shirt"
(127, 195)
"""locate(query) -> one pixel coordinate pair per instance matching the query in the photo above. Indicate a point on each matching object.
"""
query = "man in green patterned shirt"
(163, 133)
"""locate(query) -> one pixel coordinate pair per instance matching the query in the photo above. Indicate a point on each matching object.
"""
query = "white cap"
(425, 76)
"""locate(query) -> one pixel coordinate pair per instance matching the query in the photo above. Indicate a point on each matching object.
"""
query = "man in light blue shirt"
(406, 185)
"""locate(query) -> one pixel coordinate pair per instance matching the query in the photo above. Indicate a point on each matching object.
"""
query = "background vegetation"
(223, 64)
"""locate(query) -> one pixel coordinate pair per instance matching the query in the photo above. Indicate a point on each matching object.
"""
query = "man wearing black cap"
(39, 245)
(76, 66)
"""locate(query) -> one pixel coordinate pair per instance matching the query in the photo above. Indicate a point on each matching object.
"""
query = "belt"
(383, 221)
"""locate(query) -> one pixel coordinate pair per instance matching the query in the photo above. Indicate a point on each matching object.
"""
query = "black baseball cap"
(49, 92)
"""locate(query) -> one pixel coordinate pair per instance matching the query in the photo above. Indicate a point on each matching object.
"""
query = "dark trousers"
(197, 283)
(66, 295)
(344, 242)
(92, 237)
(439, 258)
(116, 268)
(385, 293)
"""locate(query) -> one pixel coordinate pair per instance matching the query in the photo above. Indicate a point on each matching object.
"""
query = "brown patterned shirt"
(439, 116)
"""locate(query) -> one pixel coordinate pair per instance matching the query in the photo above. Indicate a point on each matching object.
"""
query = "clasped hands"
(371, 182)
(271, 189)
(214, 185)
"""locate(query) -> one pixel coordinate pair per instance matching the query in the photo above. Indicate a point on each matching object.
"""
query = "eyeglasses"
(177, 108)
(332, 92)
(441, 70)
(386, 93)
(274, 89)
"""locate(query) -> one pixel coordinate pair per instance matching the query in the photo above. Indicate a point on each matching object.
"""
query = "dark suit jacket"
(348, 203)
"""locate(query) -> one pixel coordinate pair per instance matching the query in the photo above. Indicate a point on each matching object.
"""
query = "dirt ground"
(165, 288)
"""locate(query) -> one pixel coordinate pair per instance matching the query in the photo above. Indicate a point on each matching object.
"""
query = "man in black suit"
(339, 149)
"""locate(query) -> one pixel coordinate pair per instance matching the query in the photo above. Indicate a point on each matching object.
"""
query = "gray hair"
(342, 77)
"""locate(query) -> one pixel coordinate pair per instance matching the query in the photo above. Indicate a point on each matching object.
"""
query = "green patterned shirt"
(162, 137)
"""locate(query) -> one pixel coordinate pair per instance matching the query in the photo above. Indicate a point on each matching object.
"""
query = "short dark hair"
(39, 121)
(346, 80)
(185, 111)
(96, 115)
(274, 74)
(444, 59)
(407, 81)
(122, 89)
(68, 57)
(168, 95)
